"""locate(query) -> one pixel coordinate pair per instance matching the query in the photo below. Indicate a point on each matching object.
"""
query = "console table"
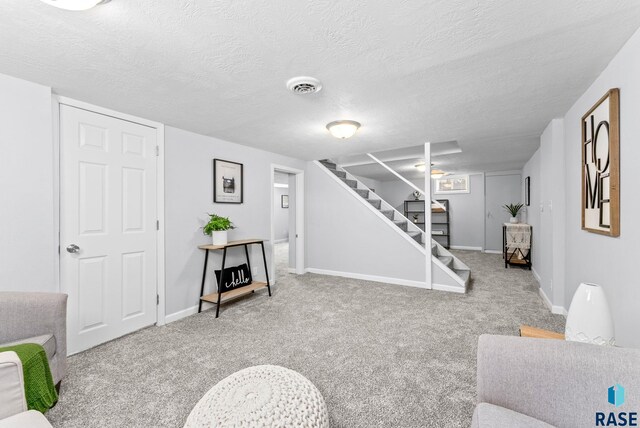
(517, 244)
(221, 297)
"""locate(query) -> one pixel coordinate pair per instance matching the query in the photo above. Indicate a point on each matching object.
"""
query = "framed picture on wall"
(601, 166)
(527, 191)
(228, 182)
(284, 201)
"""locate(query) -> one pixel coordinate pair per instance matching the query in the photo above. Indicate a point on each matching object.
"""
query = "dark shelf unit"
(439, 218)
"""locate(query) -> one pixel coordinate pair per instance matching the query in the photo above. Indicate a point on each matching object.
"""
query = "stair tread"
(350, 183)
(446, 260)
(463, 273)
(328, 164)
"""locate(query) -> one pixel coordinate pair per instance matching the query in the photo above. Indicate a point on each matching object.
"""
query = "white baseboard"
(291, 270)
(536, 276)
(493, 251)
(280, 241)
(449, 288)
(374, 278)
(464, 247)
(181, 314)
(545, 299)
(555, 309)
(559, 310)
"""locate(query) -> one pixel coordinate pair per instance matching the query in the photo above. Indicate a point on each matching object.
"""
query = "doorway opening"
(287, 221)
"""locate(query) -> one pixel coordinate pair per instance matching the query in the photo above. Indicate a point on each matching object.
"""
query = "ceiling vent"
(304, 85)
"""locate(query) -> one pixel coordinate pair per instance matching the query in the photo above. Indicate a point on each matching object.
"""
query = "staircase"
(448, 272)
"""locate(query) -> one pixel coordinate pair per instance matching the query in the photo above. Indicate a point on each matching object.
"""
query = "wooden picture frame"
(228, 182)
(284, 201)
(600, 167)
(527, 191)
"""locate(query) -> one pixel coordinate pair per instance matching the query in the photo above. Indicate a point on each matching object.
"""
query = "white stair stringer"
(454, 277)
(384, 205)
(448, 272)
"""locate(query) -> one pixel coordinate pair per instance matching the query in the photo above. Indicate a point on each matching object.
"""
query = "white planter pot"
(513, 220)
(589, 319)
(219, 237)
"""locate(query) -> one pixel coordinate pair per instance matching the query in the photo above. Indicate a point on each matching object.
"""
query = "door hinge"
(157, 299)
(157, 150)
(157, 224)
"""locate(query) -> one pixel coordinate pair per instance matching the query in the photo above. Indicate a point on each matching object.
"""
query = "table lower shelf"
(229, 295)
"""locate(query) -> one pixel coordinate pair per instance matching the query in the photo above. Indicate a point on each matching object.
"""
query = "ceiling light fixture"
(421, 167)
(437, 173)
(74, 4)
(343, 128)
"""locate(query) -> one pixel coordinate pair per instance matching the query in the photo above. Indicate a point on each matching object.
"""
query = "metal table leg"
(266, 270)
(224, 258)
(204, 276)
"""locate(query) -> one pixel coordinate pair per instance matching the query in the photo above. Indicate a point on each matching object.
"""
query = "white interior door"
(499, 190)
(108, 236)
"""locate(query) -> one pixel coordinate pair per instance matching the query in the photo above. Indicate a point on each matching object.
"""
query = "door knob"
(73, 249)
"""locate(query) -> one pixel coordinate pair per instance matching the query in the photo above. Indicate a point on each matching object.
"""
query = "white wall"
(466, 216)
(189, 195)
(280, 215)
(532, 213)
(546, 213)
(611, 262)
(28, 221)
(340, 238)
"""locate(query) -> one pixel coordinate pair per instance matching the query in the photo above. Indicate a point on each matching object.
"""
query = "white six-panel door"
(108, 236)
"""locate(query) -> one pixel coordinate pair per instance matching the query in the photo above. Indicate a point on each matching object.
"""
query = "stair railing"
(413, 186)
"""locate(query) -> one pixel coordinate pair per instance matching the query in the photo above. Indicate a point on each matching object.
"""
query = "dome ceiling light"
(435, 173)
(343, 128)
(74, 4)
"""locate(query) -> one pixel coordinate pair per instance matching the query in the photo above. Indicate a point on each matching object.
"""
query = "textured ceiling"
(489, 74)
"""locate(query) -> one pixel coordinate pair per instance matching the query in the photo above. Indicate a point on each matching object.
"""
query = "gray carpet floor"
(381, 355)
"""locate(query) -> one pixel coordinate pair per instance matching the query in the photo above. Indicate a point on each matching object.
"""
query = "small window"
(457, 184)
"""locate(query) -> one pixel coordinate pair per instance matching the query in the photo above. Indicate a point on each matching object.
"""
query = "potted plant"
(513, 209)
(217, 228)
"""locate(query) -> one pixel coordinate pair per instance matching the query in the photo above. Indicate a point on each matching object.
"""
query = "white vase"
(589, 319)
(513, 220)
(219, 237)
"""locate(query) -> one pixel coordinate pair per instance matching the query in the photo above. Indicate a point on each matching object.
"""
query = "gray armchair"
(524, 382)
(36, 318)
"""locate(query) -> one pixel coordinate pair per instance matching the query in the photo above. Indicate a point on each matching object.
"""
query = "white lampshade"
(343, 128)
(73, 4)
(589, 319)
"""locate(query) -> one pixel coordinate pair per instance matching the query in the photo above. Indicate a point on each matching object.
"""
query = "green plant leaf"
(217, 223)
(513, 209)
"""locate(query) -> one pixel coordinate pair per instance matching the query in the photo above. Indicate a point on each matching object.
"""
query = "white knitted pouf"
(261, 396)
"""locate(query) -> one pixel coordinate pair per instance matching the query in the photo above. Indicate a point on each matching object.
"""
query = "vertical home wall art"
(601, 166)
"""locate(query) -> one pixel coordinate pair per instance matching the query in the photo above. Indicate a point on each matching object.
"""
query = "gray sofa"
(524, 382)
(36, 318)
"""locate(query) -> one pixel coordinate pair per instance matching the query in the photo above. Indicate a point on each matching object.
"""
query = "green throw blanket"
(38, 384)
